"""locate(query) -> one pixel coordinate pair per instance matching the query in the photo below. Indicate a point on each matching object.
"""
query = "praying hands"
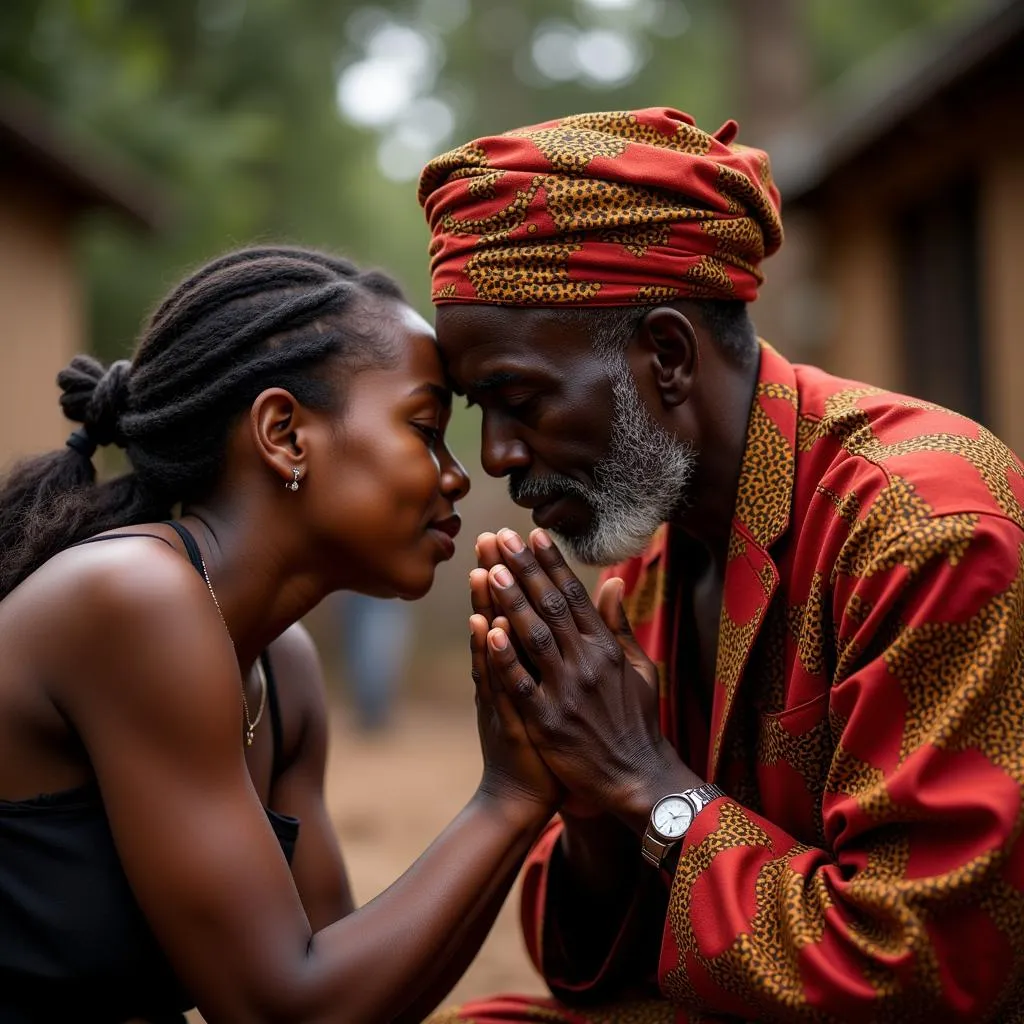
(585, 690)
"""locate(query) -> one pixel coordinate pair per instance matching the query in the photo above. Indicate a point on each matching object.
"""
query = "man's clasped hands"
(567, 699)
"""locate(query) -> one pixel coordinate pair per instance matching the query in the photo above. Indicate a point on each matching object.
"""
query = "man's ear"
(279, 428)
(667, 342)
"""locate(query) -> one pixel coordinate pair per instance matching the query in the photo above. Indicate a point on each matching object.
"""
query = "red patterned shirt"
(867, 724)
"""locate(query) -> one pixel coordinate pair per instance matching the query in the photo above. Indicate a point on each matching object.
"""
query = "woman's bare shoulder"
(103, 612)
(125, 575)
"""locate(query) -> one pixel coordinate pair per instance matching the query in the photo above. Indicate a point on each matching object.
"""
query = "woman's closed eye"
(431, 432)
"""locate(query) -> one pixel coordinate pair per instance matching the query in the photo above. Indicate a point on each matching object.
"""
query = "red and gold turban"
(600, 210)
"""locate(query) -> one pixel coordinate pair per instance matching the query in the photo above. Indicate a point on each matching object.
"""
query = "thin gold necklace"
(250, 726)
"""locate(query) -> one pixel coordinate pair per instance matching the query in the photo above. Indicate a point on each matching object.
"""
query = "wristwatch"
(671, 820)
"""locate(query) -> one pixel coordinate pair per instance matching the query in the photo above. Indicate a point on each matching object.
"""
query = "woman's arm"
(159, 713)
(494, 713)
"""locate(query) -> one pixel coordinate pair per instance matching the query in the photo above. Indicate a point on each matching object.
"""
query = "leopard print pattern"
(613, 131)
(578, 204)
(946, 668)
(560, 185)
(742, 191)
(995, 463)
(636, 240)
(451, 166)
(900, 529)
(767, 465)
(808, 753)
(540, 275)
(651, 294)
(765, 951)
(500, 224)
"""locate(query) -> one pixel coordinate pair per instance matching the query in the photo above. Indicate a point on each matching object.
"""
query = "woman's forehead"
(418, 354)
(412, 321)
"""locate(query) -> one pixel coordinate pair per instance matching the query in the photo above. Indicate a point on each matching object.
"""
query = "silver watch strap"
(653, 848)
(703, 795)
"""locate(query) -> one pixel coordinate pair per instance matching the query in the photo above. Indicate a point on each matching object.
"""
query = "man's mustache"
(546, 488)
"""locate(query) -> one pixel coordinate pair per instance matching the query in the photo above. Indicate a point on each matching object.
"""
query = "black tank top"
(74, 944)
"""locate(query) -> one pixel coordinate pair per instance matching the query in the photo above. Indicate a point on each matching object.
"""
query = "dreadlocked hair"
(252, 319)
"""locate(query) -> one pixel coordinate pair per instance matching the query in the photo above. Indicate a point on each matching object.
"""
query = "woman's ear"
(667, 341)
(279, 428)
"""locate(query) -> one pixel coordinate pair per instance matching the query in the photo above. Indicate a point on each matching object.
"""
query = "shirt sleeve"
(913, 908)
(630, 962)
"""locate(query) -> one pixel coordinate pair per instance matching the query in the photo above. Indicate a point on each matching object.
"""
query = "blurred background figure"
(373, 640)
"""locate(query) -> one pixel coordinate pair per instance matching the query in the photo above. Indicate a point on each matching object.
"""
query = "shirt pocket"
(793, 751)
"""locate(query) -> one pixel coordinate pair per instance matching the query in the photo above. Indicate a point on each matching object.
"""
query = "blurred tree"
(842, 33)
(229, 101)
(308, 119)
(773, 59)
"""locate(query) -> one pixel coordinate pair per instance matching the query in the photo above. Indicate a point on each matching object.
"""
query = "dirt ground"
(430, 757)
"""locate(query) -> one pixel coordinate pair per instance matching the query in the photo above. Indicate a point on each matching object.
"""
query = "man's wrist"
(665, 774)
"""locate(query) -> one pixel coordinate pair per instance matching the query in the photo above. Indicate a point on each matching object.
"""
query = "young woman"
(163, 837)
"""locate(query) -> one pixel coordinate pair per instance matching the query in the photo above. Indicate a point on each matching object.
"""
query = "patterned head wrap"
(600, 210)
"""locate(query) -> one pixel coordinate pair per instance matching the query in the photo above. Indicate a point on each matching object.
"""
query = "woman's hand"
(609, 605)
(590, 705)
(488, 555)
(513, 770)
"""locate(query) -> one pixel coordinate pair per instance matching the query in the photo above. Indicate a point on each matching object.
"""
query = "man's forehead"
(534, 335)
(485, 348)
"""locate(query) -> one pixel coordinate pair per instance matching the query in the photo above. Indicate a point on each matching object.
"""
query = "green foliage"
(842, 32)
(231, 105)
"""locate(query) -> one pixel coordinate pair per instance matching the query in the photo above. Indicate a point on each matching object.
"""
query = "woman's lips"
(444, 542)
(444, 531)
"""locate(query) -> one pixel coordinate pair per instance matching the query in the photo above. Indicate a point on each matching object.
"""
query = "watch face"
(672, 816)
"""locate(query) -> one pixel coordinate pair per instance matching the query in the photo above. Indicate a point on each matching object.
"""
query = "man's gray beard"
(637, 486)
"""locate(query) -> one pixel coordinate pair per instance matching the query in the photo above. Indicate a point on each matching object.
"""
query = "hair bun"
(95, 396)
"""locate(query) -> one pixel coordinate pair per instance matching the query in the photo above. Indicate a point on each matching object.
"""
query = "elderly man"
(819, 818)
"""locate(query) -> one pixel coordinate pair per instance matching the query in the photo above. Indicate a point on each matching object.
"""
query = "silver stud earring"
(294, 485)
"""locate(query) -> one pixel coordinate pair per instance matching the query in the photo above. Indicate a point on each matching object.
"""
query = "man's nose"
(501, 451)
